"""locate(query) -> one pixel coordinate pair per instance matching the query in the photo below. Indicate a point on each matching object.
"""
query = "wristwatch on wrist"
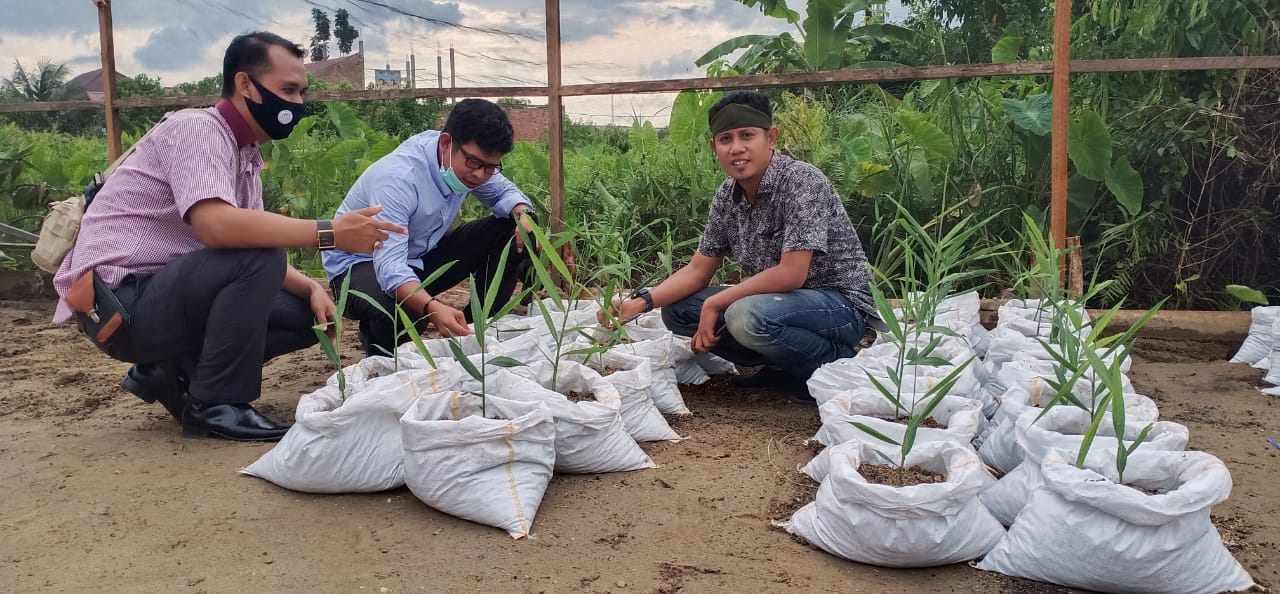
(648, 299)
(325, 239)
(533, 214)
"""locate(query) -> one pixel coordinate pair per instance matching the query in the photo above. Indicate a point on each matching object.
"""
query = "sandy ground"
(101, 493)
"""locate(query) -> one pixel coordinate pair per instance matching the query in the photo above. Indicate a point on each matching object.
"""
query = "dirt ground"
(101, 493)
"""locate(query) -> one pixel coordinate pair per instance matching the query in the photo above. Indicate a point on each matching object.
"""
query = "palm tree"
(41, 84)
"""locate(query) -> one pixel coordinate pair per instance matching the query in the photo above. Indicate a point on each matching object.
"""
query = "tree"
(320, 41)
(42, 84)
(139, 120)
(343, 31)
(828, 38)
(209, 85)
(139, 86)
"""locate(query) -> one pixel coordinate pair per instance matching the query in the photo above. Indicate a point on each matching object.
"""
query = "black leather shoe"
(237, 422)
(775, 378)
(157, 382)
(767, 377)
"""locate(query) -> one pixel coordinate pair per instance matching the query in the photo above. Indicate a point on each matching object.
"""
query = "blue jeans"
(798, 331)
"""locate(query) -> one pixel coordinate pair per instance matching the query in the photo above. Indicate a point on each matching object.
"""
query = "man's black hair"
(752, 99)
(249, 53)
(482, 122)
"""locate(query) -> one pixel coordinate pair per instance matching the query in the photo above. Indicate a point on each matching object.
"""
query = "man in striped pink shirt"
(180, 235)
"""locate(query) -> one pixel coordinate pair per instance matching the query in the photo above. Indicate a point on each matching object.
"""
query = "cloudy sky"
(499, 43)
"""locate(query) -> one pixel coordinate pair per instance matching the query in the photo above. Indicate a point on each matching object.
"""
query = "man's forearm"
(246, 228)
(298, 284)
(771, 280)
(683, 283)
(413, 303)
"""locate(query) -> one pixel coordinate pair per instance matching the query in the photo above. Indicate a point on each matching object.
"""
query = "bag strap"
(119, 160)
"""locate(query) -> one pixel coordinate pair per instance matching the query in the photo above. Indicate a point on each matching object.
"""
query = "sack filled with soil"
(920, 525)
(487, 459)
(1084, 528)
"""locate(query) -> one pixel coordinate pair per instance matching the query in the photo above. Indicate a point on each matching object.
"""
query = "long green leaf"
(821, 47)
(477, 311)
(503, 361)
(371, 301)
(411, 329)
(466, 363)
(873, 433)
(725, 48)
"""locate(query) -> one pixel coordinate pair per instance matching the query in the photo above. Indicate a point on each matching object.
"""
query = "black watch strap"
(648, 299)
(325, 239)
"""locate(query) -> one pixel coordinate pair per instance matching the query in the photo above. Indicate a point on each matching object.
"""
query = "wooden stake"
(555, 133)
(1075, 268)
(1061, 99)
(555, 115)
(109, 78)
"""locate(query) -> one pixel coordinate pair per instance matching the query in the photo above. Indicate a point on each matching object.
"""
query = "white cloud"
(604, 40)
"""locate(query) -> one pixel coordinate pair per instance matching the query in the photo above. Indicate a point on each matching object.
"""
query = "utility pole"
(439, 69)
(453, 78)
(413, 69)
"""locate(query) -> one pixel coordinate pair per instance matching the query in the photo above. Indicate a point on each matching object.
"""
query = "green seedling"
(547, 263)
(482, 313)
(332, 347)
(400, 316)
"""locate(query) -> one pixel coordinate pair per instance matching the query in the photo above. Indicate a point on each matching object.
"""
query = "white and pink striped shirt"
(137, 223)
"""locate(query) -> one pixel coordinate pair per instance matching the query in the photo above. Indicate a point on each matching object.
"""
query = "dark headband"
(738, 115)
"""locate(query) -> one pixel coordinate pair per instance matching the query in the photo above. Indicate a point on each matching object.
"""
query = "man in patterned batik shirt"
(806, 292)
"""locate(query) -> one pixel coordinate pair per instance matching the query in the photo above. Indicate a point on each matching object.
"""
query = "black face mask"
(275, 115)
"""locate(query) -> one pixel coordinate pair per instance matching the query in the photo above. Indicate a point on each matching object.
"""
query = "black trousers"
(219, 314)
(476, 246)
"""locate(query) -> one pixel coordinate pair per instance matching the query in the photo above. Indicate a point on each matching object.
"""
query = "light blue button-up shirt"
(409, 186)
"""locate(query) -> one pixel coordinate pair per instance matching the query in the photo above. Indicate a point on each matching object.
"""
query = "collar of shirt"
(243, 132)
(768, 181)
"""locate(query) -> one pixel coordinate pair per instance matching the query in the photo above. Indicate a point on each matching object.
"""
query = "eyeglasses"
(474, 162)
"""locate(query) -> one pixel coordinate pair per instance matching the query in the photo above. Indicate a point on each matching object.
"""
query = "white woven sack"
(632, 376)
(714, 365)
(999, 448)
(665, 390)
(923, 525)
(842, 375)
(590, 436)
(490, 469)
(962, 417)
(1063, 428)
(350, 445)
(1125, 540)
(1273, 360)
(1257, 345)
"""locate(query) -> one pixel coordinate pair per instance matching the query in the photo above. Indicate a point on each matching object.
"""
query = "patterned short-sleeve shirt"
(796, 208)
(137, 223)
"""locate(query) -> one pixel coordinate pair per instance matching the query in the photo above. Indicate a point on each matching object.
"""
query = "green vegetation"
(1173, 174)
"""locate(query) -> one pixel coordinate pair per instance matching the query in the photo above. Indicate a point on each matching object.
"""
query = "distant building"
(528, 122)
(89, 85)
(334, 71)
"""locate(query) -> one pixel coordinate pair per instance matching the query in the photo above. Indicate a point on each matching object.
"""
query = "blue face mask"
(451, 177)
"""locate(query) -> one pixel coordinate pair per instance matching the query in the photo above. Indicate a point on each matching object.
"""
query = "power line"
(449, 24)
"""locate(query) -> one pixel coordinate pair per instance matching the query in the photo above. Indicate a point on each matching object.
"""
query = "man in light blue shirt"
(422, 185)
